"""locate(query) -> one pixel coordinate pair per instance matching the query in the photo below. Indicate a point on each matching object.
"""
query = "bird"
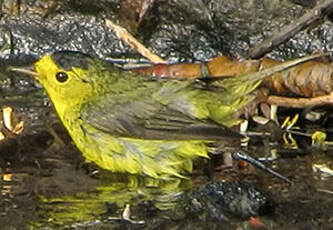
(138, 124)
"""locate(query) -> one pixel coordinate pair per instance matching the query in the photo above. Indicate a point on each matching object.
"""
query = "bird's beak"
(29, 70)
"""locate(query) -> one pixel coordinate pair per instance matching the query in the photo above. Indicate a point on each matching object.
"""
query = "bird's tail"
(260, 75)
(245, 84)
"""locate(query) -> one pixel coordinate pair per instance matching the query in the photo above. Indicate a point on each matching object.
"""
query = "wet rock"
(224, 200)
(213, 206)
(69, 27)
(176, 30)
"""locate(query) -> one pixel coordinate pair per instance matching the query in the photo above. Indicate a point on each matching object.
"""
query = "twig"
(290, 30)
(124, 35)
(325, 191)
(300, 102)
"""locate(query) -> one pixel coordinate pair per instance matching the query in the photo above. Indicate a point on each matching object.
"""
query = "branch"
(290, 30)
(126, 37)
(300, 102)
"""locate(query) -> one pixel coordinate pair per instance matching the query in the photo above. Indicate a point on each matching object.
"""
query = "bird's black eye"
(61, 77)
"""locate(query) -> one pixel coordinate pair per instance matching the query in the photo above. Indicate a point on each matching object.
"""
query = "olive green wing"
(146, 118)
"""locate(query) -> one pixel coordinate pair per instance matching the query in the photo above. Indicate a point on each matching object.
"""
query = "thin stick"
(242, 155)
(300, 102)
(125, 36)
(290, 30)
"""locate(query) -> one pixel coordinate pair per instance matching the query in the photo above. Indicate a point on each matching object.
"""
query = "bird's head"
(66, 76)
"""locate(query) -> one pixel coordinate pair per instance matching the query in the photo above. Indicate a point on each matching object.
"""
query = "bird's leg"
(242, 155)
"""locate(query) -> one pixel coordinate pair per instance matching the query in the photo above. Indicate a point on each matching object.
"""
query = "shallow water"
(45, 187)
